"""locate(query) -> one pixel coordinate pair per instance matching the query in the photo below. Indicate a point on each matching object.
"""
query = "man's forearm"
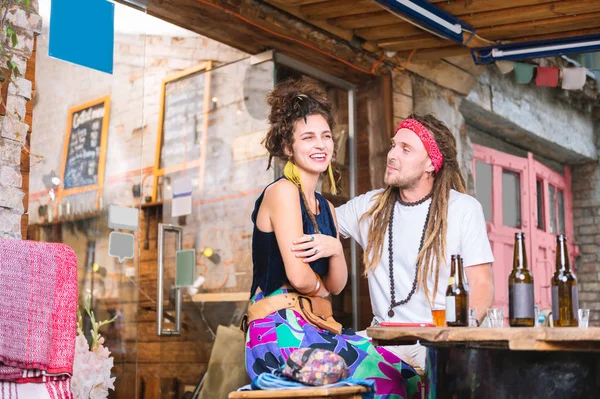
(482, 298)
(336, 279)
(481, 286)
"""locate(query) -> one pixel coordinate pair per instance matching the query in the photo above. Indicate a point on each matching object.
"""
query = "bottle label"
(523, 301)
(555, 312)
(450, 309)
(575, 298)
(451, 281)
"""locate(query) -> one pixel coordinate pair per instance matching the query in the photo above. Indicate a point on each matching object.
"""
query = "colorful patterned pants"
(271, 340)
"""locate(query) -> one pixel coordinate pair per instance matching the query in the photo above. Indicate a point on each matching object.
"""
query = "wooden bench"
(353, 392)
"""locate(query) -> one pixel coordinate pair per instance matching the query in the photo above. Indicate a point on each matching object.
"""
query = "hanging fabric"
(597, 73)
(523, 73)
(573, 78)
(547, 76)
(505, 66)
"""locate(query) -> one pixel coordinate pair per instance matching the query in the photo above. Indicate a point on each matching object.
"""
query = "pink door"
(521, 194)
(553, 215)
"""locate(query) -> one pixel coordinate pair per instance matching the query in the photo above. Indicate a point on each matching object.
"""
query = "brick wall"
(13, 129)
(586, 220)
(402, 96)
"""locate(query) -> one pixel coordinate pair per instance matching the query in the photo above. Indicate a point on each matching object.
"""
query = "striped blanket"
(38, 319)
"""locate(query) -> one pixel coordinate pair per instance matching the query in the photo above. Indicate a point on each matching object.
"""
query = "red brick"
(588, 268)
(591, 287)
(589, 296)
(589, 229)
(589, 249)
(583, 221)
(587, 239)
(587, 258)
(585, 277)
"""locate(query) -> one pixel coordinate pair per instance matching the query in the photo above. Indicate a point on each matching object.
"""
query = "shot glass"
(496, 317)
(472, 317)
(584, 318)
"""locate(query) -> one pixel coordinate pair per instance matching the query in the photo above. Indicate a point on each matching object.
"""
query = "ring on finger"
(316, 250)
(312, 238)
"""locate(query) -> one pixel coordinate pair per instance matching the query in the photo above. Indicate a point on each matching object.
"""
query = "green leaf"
(15, 40)
(13, 67)
(10, 31)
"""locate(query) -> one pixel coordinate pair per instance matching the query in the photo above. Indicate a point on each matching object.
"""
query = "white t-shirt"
(466, 235)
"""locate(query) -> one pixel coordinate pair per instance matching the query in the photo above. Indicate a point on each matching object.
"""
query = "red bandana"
(430, 145)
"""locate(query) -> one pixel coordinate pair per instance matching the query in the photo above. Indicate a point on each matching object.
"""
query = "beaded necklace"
(393, 303)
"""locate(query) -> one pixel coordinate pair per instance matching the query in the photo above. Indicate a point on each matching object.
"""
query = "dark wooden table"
(505, 362)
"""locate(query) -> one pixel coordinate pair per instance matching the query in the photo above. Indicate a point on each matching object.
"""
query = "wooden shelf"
(87, 216)
(222, 297)
(216, 297)
(152, 204)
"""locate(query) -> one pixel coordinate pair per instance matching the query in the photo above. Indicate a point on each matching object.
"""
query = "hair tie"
(301, 105)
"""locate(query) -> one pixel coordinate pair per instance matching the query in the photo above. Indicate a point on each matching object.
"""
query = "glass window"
(511, 199)
(561, 212)
(539, 195)
(483, 187)
(552, 205)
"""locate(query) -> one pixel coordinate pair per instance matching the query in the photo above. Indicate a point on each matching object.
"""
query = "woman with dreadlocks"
(410, 229)
(297, 253)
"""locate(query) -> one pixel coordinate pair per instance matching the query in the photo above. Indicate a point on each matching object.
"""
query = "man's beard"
(403, 182)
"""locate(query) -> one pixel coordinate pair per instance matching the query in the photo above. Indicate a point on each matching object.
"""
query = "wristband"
(317, 287)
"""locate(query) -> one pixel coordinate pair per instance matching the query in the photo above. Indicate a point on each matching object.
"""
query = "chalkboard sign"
(183, 124)
(84, 150)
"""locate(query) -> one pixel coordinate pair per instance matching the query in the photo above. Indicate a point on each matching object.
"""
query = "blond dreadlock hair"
(434, 246)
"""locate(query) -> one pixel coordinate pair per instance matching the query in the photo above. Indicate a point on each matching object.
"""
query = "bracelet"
(317, 287)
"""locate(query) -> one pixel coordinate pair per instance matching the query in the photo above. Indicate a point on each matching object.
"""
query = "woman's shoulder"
(329, 204)
(281, 190)
(280, 193)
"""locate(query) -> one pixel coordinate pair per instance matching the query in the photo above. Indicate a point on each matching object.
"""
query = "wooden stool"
(353, 392)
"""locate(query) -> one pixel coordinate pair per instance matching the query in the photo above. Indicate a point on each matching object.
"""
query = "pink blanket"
(38, 313)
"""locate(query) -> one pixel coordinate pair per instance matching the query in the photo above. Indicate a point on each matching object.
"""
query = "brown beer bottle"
(457, 297)
(565, 300)
(520, 287)
(461, 267)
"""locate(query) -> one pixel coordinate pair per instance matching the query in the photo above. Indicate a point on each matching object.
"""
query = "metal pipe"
(160, 284)
(178, 296)
(353, 251)
(159, 281)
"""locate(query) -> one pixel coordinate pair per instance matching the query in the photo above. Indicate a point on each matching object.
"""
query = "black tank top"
(269, 271)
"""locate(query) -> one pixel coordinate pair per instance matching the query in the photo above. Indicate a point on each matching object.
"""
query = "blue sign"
(82, 32)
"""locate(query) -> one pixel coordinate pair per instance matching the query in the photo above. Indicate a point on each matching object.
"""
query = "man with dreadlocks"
(288, 310)
(409, 230)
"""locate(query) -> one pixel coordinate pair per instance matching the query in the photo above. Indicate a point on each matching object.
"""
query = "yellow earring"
(332, 180)
(290, 171)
